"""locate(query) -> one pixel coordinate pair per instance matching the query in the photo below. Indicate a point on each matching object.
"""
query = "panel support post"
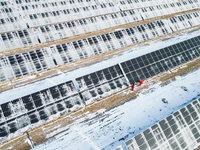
(31, 143)
(79, 92)
(127, 81)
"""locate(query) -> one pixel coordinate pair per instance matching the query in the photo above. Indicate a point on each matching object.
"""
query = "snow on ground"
(109, 129)
(71, 75)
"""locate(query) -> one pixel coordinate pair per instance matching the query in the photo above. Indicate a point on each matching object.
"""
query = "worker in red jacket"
(140, 82)
(133, 86)
(137, 83)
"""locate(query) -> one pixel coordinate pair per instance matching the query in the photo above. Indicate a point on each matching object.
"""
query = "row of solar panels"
(180, 4)
(37, 60)
(25, 63)
(55, 16)
(14, 16)
(124, 17)
(107, 81)
(179, 131)
(18, 115)
(28, 37)
(35, 109)
(10, 20)
(33, 19)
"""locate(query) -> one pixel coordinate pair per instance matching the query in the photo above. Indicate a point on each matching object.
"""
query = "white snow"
(112, 128)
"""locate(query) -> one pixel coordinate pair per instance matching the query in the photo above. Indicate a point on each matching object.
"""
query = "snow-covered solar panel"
(25, 63)
(10, 20)
(17, 39)
(130, 4)
(63, 30)
(97, 44)
(101, 83)
(118, 148)
(37, 107)
(22, 38)
(49, 12)
(178, 131)
(22, 14)
(44, 17)
(153, 63)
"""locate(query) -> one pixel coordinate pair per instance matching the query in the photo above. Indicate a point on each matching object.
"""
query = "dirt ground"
(39, 133)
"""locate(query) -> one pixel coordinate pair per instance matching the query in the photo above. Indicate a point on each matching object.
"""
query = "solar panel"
(101, 83)
(172, 131)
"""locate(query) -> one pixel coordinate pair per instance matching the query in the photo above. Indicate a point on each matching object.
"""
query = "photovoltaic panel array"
(48, 31)
(61, 11)
(18, 39)
(17, 115)
(179, 131)
(22, 64)
(104, 82)
(161, 60)
(101, 83)
(37, 108)
(54, 32)
(10, 20)
(41, 59)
